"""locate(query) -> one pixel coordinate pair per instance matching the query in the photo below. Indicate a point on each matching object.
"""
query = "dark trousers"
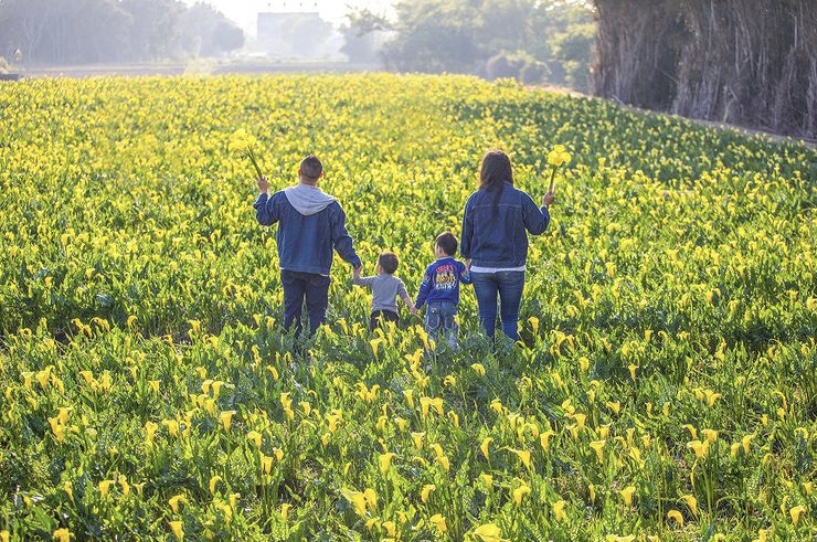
(382, 316)
(312, 288)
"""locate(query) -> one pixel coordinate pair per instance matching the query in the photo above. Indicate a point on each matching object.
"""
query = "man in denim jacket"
(311, 224)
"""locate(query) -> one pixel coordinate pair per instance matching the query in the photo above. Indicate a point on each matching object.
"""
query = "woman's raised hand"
(548, 198)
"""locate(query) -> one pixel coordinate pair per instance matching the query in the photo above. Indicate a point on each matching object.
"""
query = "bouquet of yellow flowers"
(244, 144)
(557, 158)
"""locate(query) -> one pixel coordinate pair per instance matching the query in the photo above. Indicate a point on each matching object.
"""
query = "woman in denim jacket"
(498, 218)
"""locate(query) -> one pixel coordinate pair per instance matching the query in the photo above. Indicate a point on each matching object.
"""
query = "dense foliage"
(89, 31)
(665, 389)
(528, 40)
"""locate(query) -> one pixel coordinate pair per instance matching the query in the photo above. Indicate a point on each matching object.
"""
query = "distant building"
(300, 35)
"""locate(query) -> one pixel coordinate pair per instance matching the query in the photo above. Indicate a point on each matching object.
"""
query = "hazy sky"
(244, 12)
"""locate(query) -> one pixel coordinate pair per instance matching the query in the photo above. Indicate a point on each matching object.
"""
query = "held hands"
(413, 310)
(263, 185)
(548, 198)
(357, 271)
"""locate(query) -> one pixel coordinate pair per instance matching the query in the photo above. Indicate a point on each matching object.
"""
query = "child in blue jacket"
(440, 290)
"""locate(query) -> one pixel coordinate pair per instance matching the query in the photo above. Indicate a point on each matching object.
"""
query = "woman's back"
(495, 227)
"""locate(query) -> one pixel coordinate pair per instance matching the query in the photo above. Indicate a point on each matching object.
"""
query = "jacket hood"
(308, 200)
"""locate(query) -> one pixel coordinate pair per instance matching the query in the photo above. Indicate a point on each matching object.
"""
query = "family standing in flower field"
(497, 220)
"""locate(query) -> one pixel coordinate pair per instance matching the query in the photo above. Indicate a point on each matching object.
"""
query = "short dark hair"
(311, 167)
(388, 261)
(448, 242)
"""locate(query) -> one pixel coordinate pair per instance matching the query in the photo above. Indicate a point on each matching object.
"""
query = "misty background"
(533, 41)
(750, 63)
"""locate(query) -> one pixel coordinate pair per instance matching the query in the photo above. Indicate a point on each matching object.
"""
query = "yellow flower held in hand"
(557, 158)
(244, 143)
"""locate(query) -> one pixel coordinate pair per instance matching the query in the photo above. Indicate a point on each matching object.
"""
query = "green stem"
(552, 176)
(251, 156)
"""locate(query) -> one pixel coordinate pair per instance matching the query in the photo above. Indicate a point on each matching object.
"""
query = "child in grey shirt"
(386, 288)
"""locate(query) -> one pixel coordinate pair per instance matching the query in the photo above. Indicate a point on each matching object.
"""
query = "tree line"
(92, 31)
(531, 40)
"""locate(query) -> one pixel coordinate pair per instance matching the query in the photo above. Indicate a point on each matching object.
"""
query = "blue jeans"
(298, 287)
(440, 322)
(508, 285)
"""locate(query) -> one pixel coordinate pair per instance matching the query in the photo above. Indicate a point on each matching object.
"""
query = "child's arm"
(465, 274)
(410, 304)
(401, 291)
(425, 289)
(362, 281)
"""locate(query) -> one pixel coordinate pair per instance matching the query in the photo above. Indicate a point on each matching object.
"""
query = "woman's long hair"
(494, 172)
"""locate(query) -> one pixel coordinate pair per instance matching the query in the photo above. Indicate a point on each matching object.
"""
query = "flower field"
(666, 388)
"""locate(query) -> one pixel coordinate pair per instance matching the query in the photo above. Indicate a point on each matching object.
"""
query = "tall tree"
(749, 62)
(434, 36)
(205, 31)
(155, 30)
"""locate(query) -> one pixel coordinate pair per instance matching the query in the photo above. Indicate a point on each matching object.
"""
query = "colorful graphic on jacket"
(446, 277)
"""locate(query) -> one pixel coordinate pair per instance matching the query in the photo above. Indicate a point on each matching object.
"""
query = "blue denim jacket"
(495, 235)
(305, 243)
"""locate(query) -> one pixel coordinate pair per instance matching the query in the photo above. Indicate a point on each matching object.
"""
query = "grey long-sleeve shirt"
(385, 291)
